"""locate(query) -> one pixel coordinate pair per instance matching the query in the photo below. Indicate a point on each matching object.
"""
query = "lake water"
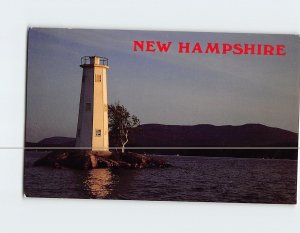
(189, 179)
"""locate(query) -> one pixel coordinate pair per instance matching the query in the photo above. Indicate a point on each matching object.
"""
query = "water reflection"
(189, 179)
(99, 183)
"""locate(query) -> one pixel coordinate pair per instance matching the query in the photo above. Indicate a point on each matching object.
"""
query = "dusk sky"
(167, 88)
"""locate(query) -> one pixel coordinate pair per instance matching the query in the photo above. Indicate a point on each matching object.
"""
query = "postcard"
(162, 115)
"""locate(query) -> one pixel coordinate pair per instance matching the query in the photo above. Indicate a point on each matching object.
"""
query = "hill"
(163, 136)
(249, 135)
(53, 142)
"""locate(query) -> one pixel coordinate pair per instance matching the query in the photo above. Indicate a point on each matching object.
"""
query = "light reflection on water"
(99, 182)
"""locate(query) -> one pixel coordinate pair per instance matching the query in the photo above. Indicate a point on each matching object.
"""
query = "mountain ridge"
(159, 137)
(201, 135)
(206, 135)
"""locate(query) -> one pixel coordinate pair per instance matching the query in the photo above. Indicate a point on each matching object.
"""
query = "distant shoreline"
(269, 142)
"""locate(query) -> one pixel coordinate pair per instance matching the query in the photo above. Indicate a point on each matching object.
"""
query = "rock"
(86, 159)
(94, 161)
(143, 161)
(75, 159)
(105, 154)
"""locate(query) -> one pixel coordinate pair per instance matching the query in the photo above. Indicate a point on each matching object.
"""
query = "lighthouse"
(92, 127)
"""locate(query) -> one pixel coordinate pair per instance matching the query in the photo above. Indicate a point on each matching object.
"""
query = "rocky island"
(88, 159)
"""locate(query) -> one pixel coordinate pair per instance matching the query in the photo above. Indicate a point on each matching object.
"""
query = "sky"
(164, 88)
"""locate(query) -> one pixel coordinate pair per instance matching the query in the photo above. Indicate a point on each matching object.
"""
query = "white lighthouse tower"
(92, 128)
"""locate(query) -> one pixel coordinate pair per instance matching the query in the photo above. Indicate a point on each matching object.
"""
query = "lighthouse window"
(98, 132)
(98, 78)
(88, 107)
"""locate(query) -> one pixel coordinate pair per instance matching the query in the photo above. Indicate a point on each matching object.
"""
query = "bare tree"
(120, 122)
